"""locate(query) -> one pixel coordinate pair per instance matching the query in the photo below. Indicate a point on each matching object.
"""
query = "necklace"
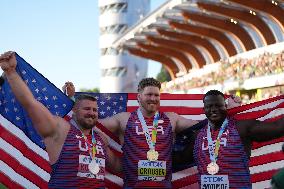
(213, 167)
(152, 154)
(93, 166)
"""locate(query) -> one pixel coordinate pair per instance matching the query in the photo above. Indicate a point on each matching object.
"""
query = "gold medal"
(152, 155)
(94, 167)
(212, 168)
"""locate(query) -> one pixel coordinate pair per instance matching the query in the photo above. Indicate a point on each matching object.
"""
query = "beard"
(87, 126)
(87, 122)
(150, 107)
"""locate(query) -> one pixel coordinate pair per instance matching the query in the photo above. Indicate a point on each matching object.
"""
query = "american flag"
(266, 158)
(24, 164)
(23, 161)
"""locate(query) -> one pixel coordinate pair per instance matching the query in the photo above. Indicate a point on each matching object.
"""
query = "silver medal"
(94, 167)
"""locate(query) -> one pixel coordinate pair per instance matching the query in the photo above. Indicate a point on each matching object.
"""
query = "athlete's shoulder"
(171, 115)
(122, 115)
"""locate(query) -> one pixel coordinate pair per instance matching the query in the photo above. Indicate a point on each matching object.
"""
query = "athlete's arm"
(184, 143)
(44, 122)
(53, 129)
(180, 123)
(114, 162)
(233, 101)
(260, 130)
(115, 123)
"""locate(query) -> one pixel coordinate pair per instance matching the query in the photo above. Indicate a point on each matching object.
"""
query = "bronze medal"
(212, 168)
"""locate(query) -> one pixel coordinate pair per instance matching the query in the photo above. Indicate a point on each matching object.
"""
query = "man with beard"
(76, 151)
(222, 148)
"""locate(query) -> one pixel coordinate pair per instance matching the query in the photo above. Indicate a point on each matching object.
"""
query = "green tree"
(94, 90)
(163, 75)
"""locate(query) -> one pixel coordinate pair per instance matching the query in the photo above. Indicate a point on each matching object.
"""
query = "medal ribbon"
(151, 141)
(214, 152)
(91, 146)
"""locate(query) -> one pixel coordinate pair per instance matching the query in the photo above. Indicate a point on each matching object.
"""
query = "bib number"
(214, 182)
(151, 170)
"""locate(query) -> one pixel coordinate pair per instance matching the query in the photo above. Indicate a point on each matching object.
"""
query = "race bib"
(83, 170)
(151, 170)
(214, 182)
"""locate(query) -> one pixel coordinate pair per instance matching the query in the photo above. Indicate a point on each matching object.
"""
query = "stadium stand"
(246, 74)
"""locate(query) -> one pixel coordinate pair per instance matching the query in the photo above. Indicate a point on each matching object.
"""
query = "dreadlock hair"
(213, 93)
(146, 82)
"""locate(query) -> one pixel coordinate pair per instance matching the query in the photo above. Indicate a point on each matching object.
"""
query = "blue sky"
(59, 38)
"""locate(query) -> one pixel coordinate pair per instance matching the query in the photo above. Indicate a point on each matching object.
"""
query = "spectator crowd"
(238, 70)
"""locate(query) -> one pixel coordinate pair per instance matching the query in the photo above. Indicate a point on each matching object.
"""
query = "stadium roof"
(186, 34)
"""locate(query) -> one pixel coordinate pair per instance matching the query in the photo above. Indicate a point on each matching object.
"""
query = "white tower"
(120, 71)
